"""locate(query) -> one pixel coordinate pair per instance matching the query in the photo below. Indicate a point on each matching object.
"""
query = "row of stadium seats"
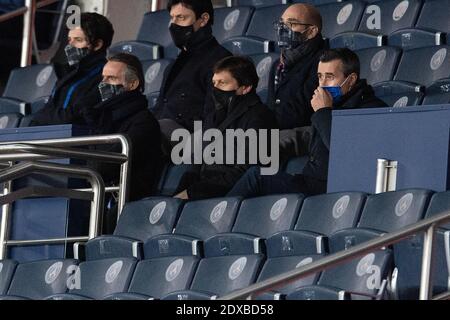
(163, 248)
(246, 30)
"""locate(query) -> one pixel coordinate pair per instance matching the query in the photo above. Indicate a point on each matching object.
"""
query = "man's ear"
(313, 31)
(246, 89)
(98, 45)
(204, 19)
(353, 78)
(134, 85)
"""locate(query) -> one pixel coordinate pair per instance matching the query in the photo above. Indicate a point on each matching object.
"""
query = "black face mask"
(108, 91)
(75, 55)
(223, 99)
(287, 38)
(181, 35)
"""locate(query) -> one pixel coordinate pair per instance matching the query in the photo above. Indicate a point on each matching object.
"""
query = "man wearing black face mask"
(124, 110)
(301, 43)
(237, 106)
(78, 88)
(186, 90)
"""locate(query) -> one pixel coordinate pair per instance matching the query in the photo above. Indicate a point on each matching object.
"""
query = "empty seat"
(260, 36)
(198, 221)
(408, 255)
(141, 49)
(394, 15)
(154, 74)
(430, 64)
(434, 15)
(139, 221)
(30, 83)
(231, 22)
(357, 40)
(362, 278)
(10, 120)
(218, 274)
(273, 213)
(399, 93)
(155, 29)
(99, 279)
(264, 67)
(7, 268)
(258, 3)
(285, 255)
(378, 64)
(40, 279)
(408, 39)
(438, 92)
(340, 17)
(159, 277)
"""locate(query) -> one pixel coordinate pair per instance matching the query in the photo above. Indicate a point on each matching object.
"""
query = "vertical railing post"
(27, 38)
(426, 280)
(4, 227)
(381, 182)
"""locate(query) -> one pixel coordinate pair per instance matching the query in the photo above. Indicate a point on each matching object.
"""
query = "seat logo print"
(400, 10)
(438, 59)
(113, 272)
(174, 270)
(231, 20)
(402, 102)
(341, 206)
(236, 268)
(403, 204)
(344, 14)
(152, 73)
(378, 60)
(53, 272)
(157, 212)
(43, 76)
(218, 211)
(278, 209)
(304, 262)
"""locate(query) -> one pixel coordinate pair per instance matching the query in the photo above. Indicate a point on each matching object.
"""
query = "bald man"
(301, 44)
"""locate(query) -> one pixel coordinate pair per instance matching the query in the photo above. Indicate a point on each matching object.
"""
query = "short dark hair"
(97, 27)
(134, 68)
(198, 6)
(241, 68)
(349, 59)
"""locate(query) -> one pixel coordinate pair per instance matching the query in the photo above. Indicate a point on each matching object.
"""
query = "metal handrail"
(25, 168)
(427, 225)
(74, 142)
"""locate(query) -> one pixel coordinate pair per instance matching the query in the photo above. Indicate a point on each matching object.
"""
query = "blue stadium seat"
(31, 83)
(26, 121)
(39, 279)
(395, 15)
(284, 255)
(158, 21)
(219, 274)
(399, 93)
(430, 64)
(258, 3)
(378, 64)
(274, 213)
(408, 39)
(156, 278)
(357, 40)
(138, 222)
(141, 49)
(12, 105)
(260, 36)
(361, 278)
(340, 17)
(264, 67)
(7, 268)
(408, 255)
(10, 120)
(99, 279)
(198, 221)
(434, 16)
(295, 165)
(231, 22)
(438, 93)
(154, 74)
(10, 5)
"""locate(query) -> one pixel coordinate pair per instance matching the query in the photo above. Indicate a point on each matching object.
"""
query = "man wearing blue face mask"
(185, 94)
(339, 88)
(123, 110)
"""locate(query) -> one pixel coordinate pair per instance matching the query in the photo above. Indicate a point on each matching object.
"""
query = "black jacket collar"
(240, 108)
(356, 96)
(123, 105)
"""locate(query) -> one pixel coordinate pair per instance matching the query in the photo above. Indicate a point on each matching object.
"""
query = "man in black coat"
(124, 110)
(340, 88)
(185, 94)
(301, 43)
(78, 89)
(237, 106)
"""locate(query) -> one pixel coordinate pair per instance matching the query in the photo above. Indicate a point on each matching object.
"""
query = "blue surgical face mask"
(336, 91)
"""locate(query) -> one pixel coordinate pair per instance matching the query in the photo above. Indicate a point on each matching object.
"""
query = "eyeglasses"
(281, 24)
